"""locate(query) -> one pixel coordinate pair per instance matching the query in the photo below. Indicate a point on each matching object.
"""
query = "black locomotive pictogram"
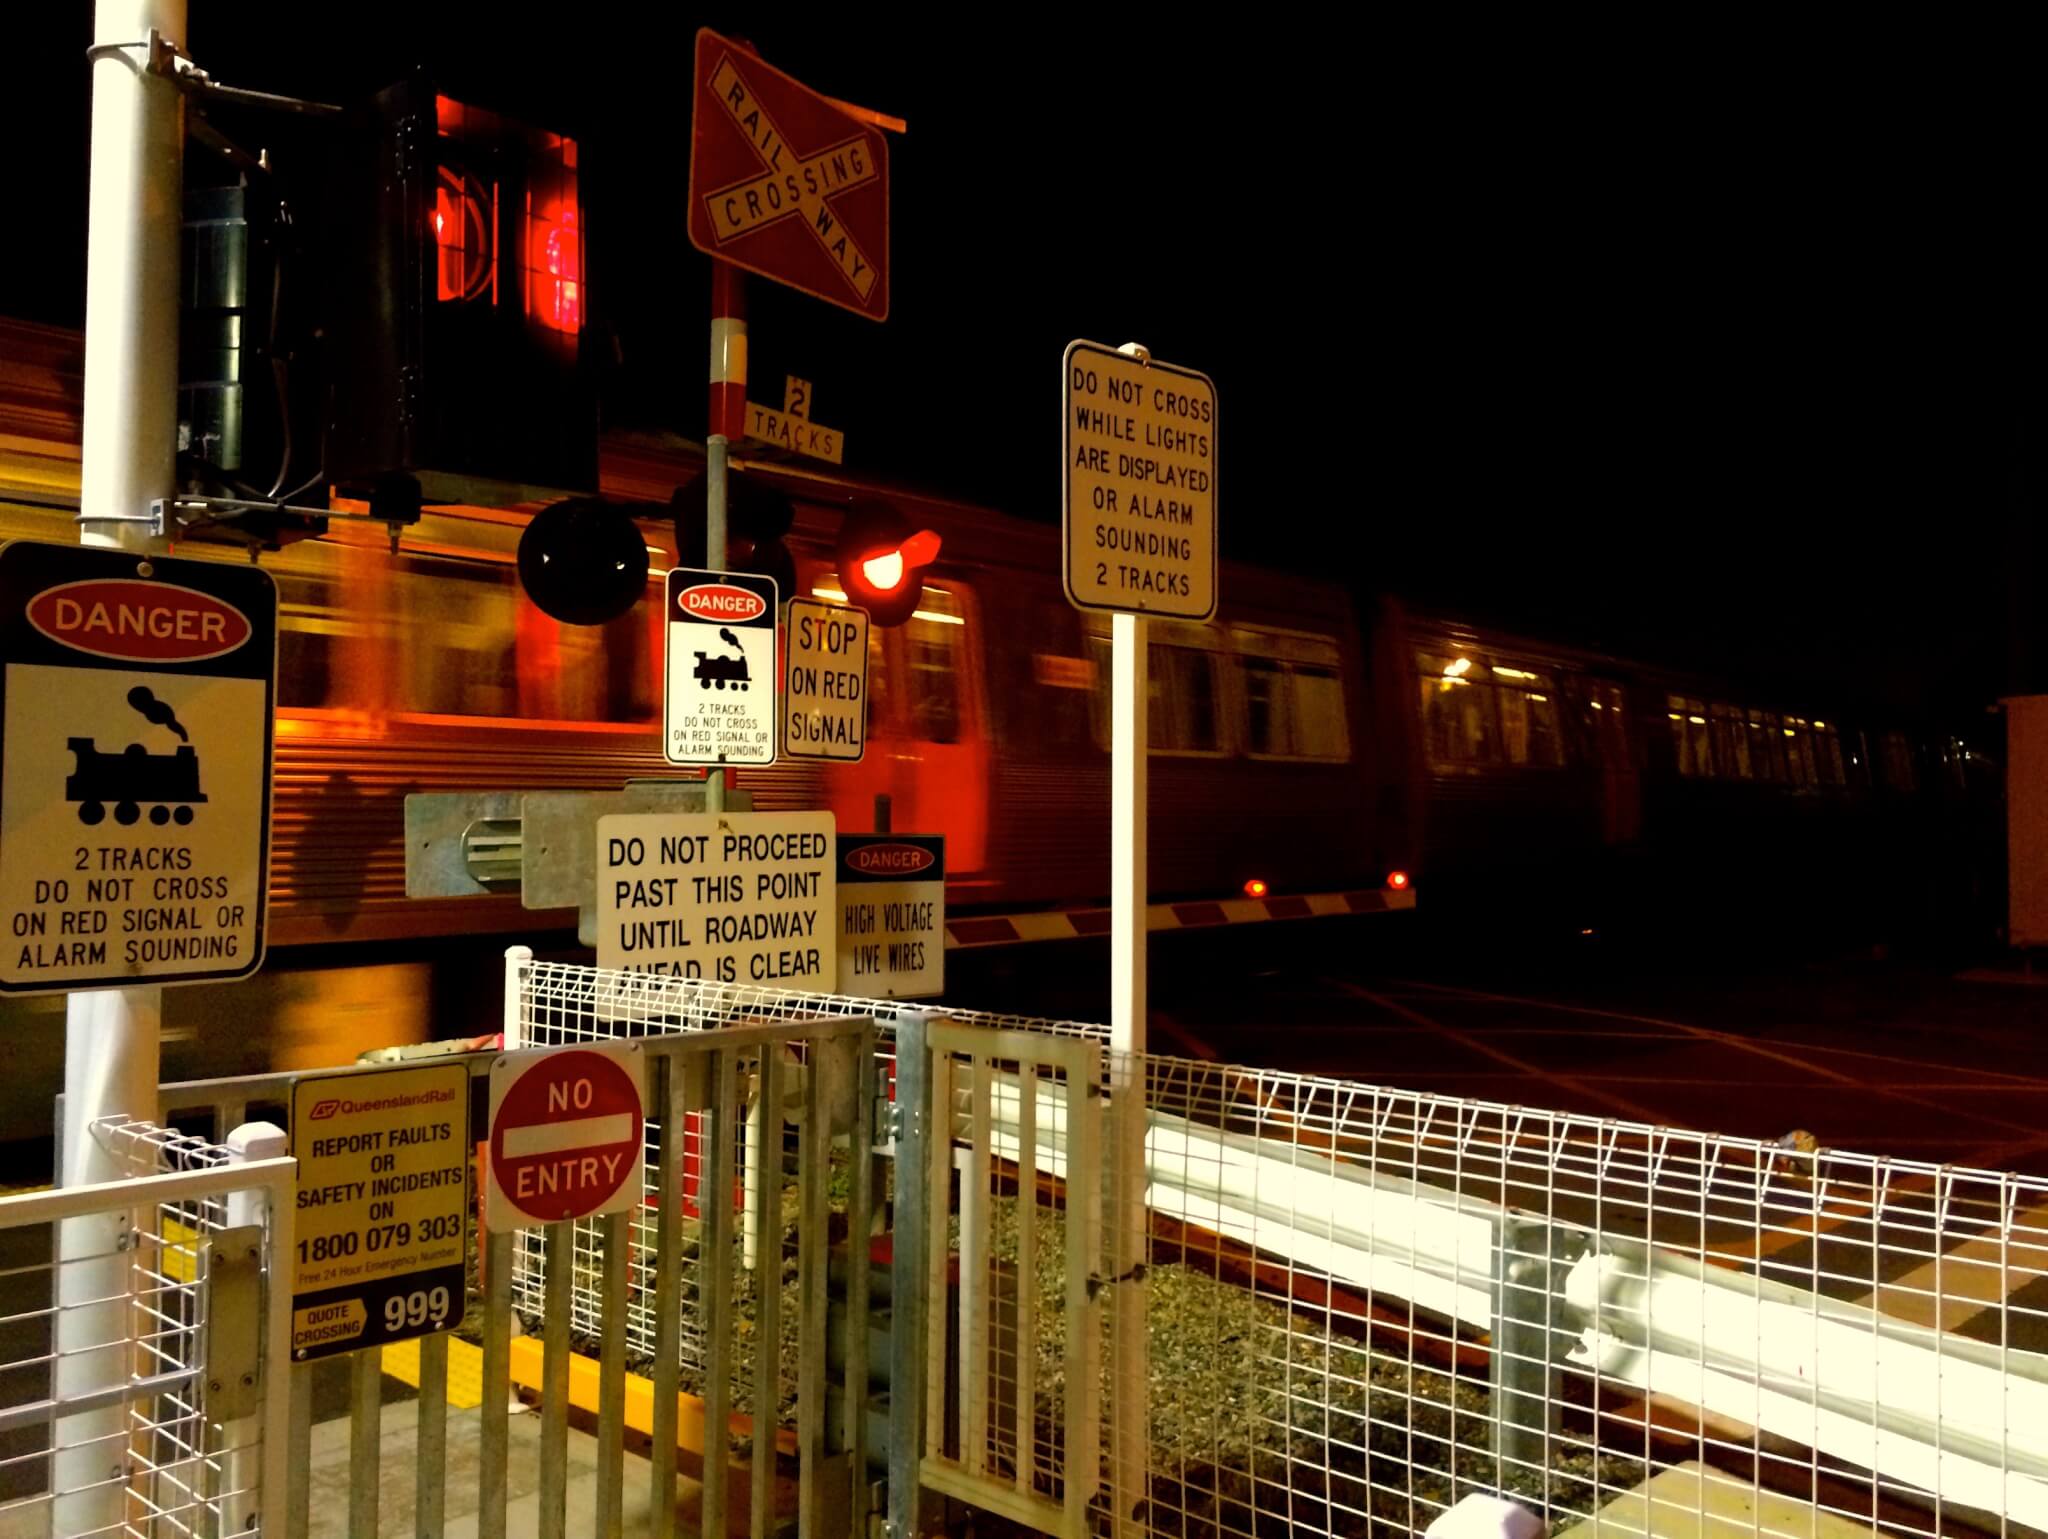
(718, 671)
(134, 776)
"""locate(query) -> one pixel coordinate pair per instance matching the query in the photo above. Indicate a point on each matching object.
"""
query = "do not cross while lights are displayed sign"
(1138, 483)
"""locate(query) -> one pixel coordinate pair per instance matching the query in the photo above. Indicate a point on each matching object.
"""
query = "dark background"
(1715, 349)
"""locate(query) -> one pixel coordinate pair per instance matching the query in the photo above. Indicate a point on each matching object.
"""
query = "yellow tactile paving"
(465, 1370)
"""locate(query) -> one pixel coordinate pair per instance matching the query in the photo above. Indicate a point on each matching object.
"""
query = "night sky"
(1722, 355)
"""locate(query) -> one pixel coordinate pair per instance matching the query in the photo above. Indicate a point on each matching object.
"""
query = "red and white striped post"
(728, 422)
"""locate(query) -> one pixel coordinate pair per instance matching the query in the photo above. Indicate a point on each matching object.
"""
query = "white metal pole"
(1128, 743)
(1129, 894)
(254, 1449)
(714, 558)
(112, 1039)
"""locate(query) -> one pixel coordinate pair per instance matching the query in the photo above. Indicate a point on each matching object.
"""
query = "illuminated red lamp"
(1398, 880)
(881, 559)
(1255, 888)
(554, 261)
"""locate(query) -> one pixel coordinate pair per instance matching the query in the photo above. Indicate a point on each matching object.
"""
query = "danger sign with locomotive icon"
(136, 700)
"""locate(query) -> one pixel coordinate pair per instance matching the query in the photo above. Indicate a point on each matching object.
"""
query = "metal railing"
(1362, 1304)
(1366, 1303)
(169, 1419)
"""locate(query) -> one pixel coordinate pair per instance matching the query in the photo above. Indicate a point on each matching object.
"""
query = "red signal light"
(881, 560)
(1398, 880)
(1255, 888)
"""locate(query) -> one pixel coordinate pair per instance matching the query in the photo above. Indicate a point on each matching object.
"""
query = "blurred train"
(1299, 740)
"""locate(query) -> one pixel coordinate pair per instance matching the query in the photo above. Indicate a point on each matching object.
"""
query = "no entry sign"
(566, 1134)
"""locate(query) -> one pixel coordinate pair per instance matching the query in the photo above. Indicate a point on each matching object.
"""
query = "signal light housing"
(1397, 880)
(582, 561)
(457, 300)
(1256, 888)
(756, 518)
(882, 561)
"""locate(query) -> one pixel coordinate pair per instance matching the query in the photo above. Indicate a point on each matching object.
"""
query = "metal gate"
(142, 1342)
(976, 1111)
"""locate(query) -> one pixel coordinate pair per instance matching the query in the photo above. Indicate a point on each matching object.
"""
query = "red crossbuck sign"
(783, 182)
(566, 1134)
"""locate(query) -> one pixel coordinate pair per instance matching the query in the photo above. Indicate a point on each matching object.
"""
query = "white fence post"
(254, 1452)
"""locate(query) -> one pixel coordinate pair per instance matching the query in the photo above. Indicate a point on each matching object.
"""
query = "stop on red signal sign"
(567, 1134)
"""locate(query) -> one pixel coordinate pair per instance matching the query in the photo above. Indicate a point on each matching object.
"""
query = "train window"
(1799, 751)
(1896, 760)
(1599, 734)
(1184, 696)
(935, 650)
(1732, 750)
(442, 629)
(1827, 754)
(1690, 736)
(1527, 701)
(1457, 710)
(1181, 691)
(1293, 696)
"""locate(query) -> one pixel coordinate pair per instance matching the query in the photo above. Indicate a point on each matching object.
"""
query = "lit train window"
(1733, 749)
(934, 648)
(1528, 704)
(1458, 723)
(442, 629)
(1690, 736)
(1596, 721)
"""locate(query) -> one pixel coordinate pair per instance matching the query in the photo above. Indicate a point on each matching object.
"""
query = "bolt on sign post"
(1137, 538)
(128, 456)
(382, 1224)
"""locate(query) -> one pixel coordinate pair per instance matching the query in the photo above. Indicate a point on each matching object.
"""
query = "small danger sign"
(566, 1134)
(720, 690)
(381, 1227)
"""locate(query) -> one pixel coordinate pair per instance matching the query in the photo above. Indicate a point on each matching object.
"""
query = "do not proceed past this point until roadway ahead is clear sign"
(1139, 481)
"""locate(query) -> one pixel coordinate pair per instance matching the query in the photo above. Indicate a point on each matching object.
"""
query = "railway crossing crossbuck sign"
(136, 697)
(720, 691)
(785, 183)
(566, 1130)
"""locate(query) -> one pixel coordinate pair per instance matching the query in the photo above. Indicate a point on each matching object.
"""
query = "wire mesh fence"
(1363, 1304)
(113, 1415)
